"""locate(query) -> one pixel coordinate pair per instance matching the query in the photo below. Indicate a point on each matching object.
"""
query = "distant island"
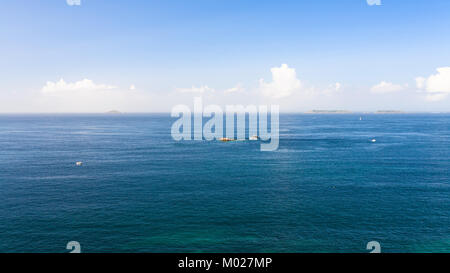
(329, 112)
(389, 112)
(113, 112)
(350, 112)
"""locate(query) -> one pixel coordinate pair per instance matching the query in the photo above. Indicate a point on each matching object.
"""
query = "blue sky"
(146, 56)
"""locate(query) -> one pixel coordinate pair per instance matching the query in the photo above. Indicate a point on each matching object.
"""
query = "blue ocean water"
(327, 188)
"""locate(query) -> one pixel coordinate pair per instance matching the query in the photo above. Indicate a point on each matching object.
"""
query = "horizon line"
(311, 112)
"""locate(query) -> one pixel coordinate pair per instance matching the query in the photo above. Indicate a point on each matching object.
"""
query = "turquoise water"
(327, 189)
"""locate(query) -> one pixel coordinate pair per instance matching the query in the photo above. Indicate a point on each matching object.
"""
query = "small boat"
(79, 163)
(360, 118)
(226, 139)
(254, 138)
(374, 140)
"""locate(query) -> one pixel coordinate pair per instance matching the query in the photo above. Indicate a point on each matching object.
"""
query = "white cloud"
(420, 82)
(386, 87)
(73, 2)
(87, 96)
(284, 82)
(199, 90)
(332, 89)
(83, 85)
(237, 88)
(374, 2)
(437, 86)
(296, 95)
(436, 97)
(440, 82)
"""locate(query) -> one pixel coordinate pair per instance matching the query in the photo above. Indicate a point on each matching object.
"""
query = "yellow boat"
(226, 139)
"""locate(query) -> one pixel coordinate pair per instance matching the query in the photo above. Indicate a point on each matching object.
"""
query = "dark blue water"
(327, 188)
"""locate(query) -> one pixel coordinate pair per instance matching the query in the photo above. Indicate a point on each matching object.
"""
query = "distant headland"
(389, 112)
(113, 112)
(329, 112)
(351, 112)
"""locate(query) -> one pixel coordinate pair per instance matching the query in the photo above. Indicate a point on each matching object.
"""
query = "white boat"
(374, 140)
(254, 138)
(79, 163)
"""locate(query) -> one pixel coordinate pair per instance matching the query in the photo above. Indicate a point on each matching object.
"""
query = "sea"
(327, 188)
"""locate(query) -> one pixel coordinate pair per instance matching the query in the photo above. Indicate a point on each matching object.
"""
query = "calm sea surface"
(328, 188)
